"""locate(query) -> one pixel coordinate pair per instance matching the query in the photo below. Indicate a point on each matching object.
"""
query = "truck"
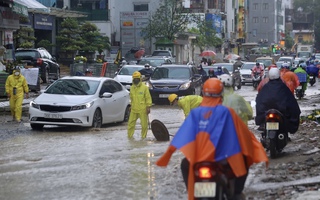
(304, 50)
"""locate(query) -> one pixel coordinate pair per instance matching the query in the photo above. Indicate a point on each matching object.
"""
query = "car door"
(108, 105)
(121, 96)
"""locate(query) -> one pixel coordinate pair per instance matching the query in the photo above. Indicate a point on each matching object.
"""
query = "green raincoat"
(237, 102)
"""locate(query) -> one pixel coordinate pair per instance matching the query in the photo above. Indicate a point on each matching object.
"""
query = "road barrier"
(97, 69)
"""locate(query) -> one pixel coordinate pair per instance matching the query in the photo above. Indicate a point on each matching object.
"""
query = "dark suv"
(41, 58)
(171, 78)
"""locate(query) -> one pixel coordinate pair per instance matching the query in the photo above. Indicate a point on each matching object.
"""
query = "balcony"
(94, 15)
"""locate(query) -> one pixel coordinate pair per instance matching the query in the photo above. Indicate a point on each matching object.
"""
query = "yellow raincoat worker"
(186, 103)
(235, 101)
(16, 86)
(141, 102)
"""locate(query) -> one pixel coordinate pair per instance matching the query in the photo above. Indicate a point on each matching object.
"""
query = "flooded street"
(78, 163)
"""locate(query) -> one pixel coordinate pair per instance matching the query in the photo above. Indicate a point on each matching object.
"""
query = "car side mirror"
(106, 95)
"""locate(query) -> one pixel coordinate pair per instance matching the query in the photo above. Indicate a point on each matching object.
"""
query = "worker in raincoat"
(16, 87)
(186, 103)
(235, 101)
(141, 102)
(213, 132)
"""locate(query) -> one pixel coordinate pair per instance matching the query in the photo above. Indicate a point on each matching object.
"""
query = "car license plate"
(204, 189)
(272, 126)
(299, 87)
(164, 95)
(53, 116)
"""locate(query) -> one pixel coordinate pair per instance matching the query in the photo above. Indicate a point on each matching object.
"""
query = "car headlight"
(149, 85)
(34, 105)
(82, 106)
(185, 86)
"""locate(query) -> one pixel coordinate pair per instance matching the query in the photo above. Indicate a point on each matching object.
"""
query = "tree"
(69, 37)
(206, 35)
(24, 38)
(93, 41)
(289, 42)
(167, 21)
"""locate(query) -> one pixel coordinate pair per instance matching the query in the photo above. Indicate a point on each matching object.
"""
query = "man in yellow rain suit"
(141, 102)
(235, 101)
(186, 103)
(16, 86)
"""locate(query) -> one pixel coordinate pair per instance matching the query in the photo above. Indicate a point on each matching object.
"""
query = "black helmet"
(147, 65)
(258, 64)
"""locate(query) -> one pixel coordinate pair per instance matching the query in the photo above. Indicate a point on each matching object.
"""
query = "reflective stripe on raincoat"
(189, 102)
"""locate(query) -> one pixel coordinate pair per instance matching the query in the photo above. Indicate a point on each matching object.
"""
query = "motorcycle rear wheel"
(272, 148)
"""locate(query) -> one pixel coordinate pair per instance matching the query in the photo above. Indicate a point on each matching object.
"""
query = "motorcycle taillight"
(39, 61)
(271, 115)
(205, 172)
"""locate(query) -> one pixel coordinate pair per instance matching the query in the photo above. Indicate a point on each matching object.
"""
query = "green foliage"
(85, 37)
(69, 36)
(289, 42)
(23, 37)
(44, 43)
(206, 35)
(167, 21)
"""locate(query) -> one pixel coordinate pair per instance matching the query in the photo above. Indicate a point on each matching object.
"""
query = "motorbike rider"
(312, 69)
(301, 69)
(235, 101)
(211, 73)
(219, 71)
(202, 72)
(88, 72)
(266, 79)
(257, 68)
(289, 77)
(237, 64)
(147, 71)
(186, 103)
(209, 124)
(276, 95)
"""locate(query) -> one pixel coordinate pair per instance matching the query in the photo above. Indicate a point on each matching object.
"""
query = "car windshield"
(171, 73)
(73, 87)
(127, 70)
(152, 62)
(26, 54)
(266, 62)
(227, 66)
(248, 65)
(160, 53)
(285, 60)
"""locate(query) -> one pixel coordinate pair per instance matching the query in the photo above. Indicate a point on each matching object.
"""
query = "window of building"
(255, 19)
(211, 4)
(280, 20)
(265, 19)
(255, 6)
(254, 32)
(140, 7)
(265, 6)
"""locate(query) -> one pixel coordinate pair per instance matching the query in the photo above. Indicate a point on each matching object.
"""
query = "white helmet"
(274, 73)
(226, 79)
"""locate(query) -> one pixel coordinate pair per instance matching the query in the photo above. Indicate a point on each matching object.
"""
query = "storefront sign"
(43, 22)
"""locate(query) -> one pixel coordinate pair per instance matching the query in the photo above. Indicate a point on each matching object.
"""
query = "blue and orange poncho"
(213, 132)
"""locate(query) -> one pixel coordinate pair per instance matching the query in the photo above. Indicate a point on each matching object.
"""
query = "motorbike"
(312, 79)
(214, 181)
(274, 136)
(299, 90)
(256, 79)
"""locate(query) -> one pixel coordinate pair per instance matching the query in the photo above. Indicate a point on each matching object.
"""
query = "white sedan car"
(124, 76)
(80, 101)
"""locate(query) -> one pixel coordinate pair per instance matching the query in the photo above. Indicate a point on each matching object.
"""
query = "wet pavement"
(80, 163)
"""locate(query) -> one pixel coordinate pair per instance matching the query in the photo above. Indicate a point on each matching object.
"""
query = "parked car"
(124, 76)
(42, 59)
(80, 101)
(246, 70)
(179, 79)
(155, 61)
(235, 73)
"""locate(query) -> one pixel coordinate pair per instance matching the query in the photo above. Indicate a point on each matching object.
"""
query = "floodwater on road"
(79, 163)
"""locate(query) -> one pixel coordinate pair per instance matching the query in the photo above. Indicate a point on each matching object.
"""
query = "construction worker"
(186, 103)
(141, 102)
(16, 87)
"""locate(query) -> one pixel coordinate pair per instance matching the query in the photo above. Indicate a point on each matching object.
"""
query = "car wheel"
(36, 126)
(126, 114)
(45, 76)
(97, 119)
